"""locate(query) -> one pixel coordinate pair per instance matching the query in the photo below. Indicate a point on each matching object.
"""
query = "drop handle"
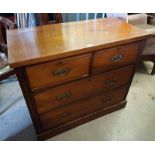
(107, 100)
(61, 72)
(111, 81)
(63, 96)
(117, 57)
(65, 114)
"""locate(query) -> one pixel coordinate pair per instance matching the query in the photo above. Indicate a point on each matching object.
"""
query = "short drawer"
(81, 89)
(55, 72)
(76, 110)
(114, 57)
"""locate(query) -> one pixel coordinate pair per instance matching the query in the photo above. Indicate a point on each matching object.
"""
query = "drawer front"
(68, 93)
(79, 109)
(55, 72)
(114, 57)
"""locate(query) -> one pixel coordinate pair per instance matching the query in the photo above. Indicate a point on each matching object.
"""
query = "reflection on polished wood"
(43, 43)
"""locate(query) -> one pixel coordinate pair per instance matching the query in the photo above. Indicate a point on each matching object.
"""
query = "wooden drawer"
(114, 57)
(68, 93)
(52, 73)
(76, 110)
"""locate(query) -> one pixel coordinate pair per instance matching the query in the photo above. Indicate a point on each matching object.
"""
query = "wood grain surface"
(44, 43)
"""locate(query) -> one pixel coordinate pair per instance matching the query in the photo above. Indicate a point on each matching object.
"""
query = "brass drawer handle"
(61, 72)
(117, 57)
(65, 114)
(111, 82)
(63, 96)
(106, 100)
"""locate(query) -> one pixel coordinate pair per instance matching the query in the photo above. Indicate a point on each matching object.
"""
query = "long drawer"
(59, 71)
(68, 93)
(76, 110)
(114, 57)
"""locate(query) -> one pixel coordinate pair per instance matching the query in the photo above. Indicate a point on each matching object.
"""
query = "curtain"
(68, 17)
(24, 20)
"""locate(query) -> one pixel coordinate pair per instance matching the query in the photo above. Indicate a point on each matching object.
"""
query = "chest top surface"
(44, 43)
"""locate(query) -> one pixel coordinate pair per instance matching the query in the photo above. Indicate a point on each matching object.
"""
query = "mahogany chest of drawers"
(74, 72)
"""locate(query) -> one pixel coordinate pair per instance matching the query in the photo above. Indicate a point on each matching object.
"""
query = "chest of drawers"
(74, 72)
